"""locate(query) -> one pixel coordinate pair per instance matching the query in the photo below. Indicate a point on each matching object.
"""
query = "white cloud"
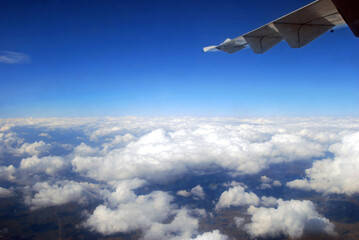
(239, 222)
(265, 179)
(214, 235)
(183, 226)
(292, 218)
(164, 153)
(13, 57)
(59, 193)
(138, 214)
(337, 175)
(123, 192)
(276, 183)
(85, 150)
(44, 135)
(49, 165)
(236, 196)
(268, 183)
(4, 193)
(33, 149)
(197, 191)
(268, 201)
(183, 193)
(7, 173)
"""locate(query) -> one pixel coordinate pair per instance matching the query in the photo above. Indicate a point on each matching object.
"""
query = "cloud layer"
(124, 165)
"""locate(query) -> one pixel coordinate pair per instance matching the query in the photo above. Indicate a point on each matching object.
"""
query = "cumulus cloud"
(44, 135)
(7, 173)
(49, 165)
(183, 193)
(59, 193)
(123, 192)
(237, 196)
(13, 57)
(268, 183)
(214, 235)
(336, 175)
(162, 153)
(183, 226)
(9, 141)
(138, 214)
(125, 212)
(292, 218)
(4, 192)
(197, 191)
(36, 148)
(129, 155)
(239, 222)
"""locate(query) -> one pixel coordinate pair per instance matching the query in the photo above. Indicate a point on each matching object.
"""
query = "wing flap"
(306, 24)
(297, 29)
(263, 38)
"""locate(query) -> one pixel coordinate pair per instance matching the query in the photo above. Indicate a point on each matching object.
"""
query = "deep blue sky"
(113, 58)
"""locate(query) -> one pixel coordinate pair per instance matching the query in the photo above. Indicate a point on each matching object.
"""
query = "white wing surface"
(297, 29)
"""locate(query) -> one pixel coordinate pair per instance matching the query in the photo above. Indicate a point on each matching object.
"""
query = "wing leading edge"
(297, 28)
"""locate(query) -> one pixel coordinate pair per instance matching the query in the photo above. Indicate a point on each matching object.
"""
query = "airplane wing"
(297, 28)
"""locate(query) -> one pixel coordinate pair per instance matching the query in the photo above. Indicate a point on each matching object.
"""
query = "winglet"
(210, 49)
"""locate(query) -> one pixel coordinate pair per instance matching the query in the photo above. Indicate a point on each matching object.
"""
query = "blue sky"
(116, 58)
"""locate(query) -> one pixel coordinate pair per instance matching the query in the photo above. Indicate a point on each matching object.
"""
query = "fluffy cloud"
(268, 183)
(214, 235)
(123, 192)
(59, 193)
(7, 173)
(237, 196)
(183, 193)
(36, 148)
(292, 218)
(49, 165)
(337, 175)
(129, 155)
(138, 214)
(4, 193)
(163, 153)
(183, 226)
(197, 192)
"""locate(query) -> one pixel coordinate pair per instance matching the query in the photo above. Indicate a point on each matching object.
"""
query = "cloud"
(127, 156)
(7, 173)
(164, 153)
(123, 192)
(183, 226)
(214, 235)
(197, 191)
(9, 141)
(4, 193)
(36, 148)
(138, 214)
(336, 175)
(236, 196)
(13, 57)
(61, 192)
(49, 165)
(292, 218)
(268, 183)
(183, 193)
(44, 135)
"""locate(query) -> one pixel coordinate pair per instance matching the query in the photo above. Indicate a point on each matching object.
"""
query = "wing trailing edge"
(297, 28)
